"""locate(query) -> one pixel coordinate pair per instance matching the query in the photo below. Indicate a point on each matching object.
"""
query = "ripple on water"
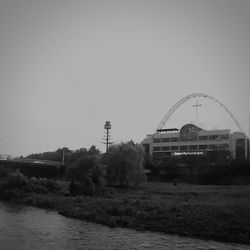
(32, 228)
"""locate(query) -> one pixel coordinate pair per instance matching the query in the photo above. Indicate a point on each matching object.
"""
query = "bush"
(15, 180)
(42, 186)
(15, 185)
(4, 171)
(89, 172)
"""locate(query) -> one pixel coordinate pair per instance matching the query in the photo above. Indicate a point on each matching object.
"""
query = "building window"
(224, 137)
(213, 137)
(202, 146)
(184, 147)
(165, 139)
(157, 140)
(223, 146)
(203, 137)
(157, 148)
(193, 147)
(174, 147)
(213, 146)
(174, 139)
(165, 148)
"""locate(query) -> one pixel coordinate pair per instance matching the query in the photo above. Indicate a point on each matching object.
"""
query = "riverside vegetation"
(209, 212)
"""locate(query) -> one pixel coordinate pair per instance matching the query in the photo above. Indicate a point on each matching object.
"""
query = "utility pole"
(107, 126)
(248, 139)
(196, 106)
(63, 155)
(249, 127)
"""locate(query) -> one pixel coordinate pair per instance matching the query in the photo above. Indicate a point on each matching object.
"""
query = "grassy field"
(210, 212)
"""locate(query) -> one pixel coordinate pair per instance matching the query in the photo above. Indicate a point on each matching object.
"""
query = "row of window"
(172, 139)
(214, 137)
(201, 138)
(192, 147)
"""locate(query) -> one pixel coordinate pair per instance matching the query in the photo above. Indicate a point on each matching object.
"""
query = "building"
(192, 140)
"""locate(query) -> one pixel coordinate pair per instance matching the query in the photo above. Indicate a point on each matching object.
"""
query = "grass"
(210, 212)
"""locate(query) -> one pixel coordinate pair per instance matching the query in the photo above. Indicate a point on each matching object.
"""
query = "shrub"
(15, 180)
(4, 171)
(89, 172)
(42, 186)
(16, 184)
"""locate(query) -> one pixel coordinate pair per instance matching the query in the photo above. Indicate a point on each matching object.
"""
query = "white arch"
(186, 98)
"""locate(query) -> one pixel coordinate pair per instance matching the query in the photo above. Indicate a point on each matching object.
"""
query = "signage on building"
(189, 153)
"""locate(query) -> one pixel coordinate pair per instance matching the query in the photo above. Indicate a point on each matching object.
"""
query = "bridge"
(35, 162)
(34, 167)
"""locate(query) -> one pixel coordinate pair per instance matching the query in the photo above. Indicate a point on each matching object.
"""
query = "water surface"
(23, 227)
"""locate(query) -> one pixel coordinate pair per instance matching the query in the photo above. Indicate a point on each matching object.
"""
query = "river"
(23, 227)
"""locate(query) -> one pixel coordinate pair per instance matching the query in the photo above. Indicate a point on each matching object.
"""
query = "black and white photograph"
(124, 124)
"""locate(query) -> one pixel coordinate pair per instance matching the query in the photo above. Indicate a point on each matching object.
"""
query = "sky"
(66, 67)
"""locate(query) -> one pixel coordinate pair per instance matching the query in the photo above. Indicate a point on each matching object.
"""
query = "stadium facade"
(192, 140)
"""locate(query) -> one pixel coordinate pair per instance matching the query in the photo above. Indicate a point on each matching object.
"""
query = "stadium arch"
(191, 96)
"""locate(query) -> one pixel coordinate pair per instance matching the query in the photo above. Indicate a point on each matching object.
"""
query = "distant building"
(5, 157)
(192, 140)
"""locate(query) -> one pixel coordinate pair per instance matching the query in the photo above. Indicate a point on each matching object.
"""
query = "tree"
(65, 154)
(89, 172)
(53, 156)
(93, 150)
(125, 164)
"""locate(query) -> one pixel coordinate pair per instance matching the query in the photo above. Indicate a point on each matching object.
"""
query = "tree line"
(90, 170)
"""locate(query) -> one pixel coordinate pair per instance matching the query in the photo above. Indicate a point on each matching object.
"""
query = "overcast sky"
(68, 66)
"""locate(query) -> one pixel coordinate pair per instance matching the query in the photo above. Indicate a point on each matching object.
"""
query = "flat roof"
(168, 130)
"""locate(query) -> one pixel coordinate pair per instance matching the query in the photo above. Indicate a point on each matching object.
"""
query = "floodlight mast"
(107, 126)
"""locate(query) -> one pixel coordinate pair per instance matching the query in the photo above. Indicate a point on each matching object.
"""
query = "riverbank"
(209, 212)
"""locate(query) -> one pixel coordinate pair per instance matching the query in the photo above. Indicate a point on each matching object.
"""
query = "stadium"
(193, 140)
